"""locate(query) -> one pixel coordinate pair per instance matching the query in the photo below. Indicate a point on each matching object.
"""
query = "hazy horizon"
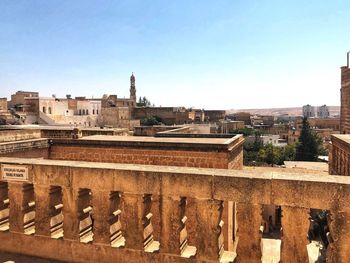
(222, 55)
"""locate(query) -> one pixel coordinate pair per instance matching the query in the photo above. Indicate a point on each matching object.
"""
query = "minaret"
(132, 88)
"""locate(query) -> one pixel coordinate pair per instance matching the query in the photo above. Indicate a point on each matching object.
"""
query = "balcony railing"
(103, 212)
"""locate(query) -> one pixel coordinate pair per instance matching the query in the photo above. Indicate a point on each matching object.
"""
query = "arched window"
(50, 110)
(44, 109)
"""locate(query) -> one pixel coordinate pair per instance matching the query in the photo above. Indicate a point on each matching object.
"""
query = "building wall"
(339, 161)
(18, 97)
(3, 103)
(325, 123)
(169, 115)
(242, 116)
(76, 120)
(214, 115)
(221, 160)
(345, 101)
(18, 135)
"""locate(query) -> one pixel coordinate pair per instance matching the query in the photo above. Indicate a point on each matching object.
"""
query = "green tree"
(308, 144)
(150, 121)
(143, 102)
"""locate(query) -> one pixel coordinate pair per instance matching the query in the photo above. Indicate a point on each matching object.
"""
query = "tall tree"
(307, 146)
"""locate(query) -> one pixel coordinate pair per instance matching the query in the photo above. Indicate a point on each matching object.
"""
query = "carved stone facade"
(339, 162)
(345, 100)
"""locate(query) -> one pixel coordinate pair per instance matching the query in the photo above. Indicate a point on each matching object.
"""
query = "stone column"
(295, 227)
(339, 249)
(16, 206)
(42, 210)
(101, 214)
(170, 231)
(70, 213)
(132, 207)
(228, 226)
(207, 230)
(249, 243)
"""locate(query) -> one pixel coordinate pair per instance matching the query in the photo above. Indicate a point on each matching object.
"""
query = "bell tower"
(132, 88)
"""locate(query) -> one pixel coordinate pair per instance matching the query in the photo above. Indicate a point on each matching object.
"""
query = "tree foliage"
(308, 145)
(143, 102)
(275, 154)
(150, 121)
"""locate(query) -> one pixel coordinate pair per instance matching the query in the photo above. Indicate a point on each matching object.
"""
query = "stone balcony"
(106, 212)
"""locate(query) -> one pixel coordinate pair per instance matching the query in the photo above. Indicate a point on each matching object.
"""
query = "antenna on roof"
(347, 58)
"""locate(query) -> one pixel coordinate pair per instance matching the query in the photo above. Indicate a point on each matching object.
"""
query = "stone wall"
(169, 115)
(148, 156)
(204, 191)
(17, 135)
(67, 133)
(345, 100)
(3, 104)
(339, 161)
(33, 148)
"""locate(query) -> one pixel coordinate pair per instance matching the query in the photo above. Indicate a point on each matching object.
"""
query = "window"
(50, 110)
(93, 112)
(96, 111)
(87, 112)
(44, 109)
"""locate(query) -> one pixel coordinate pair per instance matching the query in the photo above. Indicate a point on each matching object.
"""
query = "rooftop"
(343, 137)
(170, 143)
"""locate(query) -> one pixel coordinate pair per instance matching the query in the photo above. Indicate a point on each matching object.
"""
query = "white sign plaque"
(14, 172)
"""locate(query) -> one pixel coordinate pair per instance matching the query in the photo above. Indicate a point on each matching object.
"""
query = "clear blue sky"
(207, 54)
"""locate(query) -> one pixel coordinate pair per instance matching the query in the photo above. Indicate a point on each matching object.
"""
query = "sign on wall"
(14, 172)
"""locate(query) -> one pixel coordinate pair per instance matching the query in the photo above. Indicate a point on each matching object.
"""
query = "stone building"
(116, 112)
(80, 111)
(339, 163)
(242, 116)
(3, 104)
(323, 111)
(308, 111)
(18, 99)
(345, 99)
(168, 115)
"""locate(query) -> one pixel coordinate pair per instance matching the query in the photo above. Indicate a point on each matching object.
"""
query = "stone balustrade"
(103, 212)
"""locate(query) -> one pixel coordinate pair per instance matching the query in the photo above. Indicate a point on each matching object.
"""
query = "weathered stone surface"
(249, 220)
(339, 249)
(295, 226)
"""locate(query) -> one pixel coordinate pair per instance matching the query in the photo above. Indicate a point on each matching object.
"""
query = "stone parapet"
(152, 208)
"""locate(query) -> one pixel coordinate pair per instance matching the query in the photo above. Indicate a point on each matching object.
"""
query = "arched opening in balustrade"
(4, 207)
(116, 235)
(271, 229)
(28, 209)
(56, 213)
(85, 215)
(318, 235)
(149, 244)
(186, 250)
(226, 246)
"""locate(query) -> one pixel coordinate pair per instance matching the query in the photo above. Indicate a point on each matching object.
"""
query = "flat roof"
(48, 127)
(317, 166)
(157, 139)
(342, 137)
(167, 143)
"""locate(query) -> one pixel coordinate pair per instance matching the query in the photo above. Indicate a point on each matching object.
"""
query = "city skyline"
(223, 56)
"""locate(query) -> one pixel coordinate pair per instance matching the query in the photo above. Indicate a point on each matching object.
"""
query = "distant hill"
(292, 111)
